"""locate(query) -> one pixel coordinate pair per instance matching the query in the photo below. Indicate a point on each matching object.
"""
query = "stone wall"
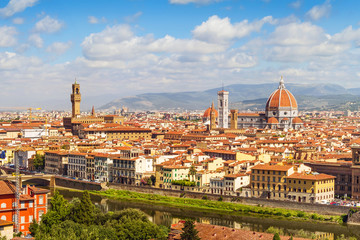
(76, 184)
(308, 207)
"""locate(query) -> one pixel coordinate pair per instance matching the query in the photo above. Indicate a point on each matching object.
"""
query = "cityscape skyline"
(125, 48)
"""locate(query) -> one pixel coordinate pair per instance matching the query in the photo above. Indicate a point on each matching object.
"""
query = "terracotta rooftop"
(213, 232)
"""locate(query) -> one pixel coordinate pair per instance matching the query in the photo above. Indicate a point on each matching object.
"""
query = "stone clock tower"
(75, 99)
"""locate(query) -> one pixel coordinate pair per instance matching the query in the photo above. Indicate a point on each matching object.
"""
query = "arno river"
(169, 215)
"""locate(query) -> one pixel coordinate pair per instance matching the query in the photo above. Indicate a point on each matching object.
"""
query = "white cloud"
(48, 25)
(36, 40)
(93, 20)
(133, 18)
(220, 30)
(59, 47)
(193, 1)
(119, 42)
(297, 34)
(15, 6)
(7, 38)
(319, 11)
(18, 21)
(10, 60)
(296, 4)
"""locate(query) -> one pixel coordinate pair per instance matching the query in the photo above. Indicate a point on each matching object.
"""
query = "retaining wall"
(76, 184)
(308, 207)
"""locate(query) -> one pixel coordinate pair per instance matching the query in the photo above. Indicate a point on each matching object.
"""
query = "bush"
(300, 214)
(221, 198)
(276, 237)
(204, 197)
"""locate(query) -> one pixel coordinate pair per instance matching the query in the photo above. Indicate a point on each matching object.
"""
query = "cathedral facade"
(281, 112)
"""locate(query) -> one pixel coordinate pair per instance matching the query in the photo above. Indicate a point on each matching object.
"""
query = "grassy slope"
(218, 206)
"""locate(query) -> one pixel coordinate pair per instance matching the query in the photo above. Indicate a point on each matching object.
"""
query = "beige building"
(56, 162)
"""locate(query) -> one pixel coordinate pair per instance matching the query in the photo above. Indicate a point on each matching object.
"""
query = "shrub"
(220, 198)
(300, 214)
(204, 197)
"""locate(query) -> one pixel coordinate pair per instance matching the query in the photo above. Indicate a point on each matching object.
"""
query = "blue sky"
(127, 47)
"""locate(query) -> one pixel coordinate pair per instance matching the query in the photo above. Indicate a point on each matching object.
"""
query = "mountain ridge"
(250, 94)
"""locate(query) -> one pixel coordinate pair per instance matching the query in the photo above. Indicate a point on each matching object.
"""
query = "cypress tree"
(189, 231)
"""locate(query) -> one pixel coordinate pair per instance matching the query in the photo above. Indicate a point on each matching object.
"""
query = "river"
(169, 215)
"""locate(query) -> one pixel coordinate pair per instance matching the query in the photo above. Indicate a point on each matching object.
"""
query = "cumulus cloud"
(193, 1)
(11, 60)
(15, 6)
(59, 47)
(8, 36)
(119, 42)
(221, 30)
(36, 40)
(18, 21)
(48, 25)
(301, 42)
(319, 11)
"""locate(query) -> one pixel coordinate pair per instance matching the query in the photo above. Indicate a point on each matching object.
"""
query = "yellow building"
(311, 188)
(269, 181)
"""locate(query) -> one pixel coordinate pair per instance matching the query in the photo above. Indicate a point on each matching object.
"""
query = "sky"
(121, 48)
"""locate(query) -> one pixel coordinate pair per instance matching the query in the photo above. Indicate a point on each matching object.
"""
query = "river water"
(169, 215)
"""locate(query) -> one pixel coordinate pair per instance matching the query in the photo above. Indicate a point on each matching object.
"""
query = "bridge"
(6, 174)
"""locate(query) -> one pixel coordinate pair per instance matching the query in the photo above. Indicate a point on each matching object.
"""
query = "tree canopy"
(80, 220)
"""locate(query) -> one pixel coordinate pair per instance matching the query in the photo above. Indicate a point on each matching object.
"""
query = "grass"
(219, 206)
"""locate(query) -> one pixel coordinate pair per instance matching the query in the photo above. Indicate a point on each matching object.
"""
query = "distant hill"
(242, 96)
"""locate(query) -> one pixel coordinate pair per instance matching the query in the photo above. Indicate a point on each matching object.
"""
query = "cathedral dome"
(208, 111)
(297, 120)
(273, 120)
(281, 98)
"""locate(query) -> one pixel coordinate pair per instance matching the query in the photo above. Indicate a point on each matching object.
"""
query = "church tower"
(223, 109)
(212, 117)
(75, 99)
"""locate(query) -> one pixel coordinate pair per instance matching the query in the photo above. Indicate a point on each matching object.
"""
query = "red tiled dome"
(281, 98)
(273, 120)
(297, 120)
(207, 113)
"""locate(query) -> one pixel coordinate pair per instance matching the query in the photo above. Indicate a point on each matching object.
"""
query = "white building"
(77, 165)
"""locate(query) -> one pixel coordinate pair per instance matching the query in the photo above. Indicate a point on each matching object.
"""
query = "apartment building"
(33, 204)
(77, 165)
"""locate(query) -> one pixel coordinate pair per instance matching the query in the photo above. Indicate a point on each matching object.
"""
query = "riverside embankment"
(167, 215)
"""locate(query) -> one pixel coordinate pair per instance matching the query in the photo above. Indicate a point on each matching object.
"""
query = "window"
(22, 205)
(41, 199)
(22, 219)
(3, 205)
(3, 217)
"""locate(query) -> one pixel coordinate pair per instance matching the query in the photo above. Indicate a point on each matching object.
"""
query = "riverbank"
(218, 206)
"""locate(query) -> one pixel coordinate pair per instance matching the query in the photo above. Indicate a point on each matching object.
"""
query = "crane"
(17, 193)
(30, 109)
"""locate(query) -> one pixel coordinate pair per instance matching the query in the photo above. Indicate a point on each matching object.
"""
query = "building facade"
(223, 109)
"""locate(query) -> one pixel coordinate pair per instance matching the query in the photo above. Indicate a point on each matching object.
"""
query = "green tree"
(153, 179)
(84, 212)
(34, 226)
(189, 231)
(276, 236)
(39, 161)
